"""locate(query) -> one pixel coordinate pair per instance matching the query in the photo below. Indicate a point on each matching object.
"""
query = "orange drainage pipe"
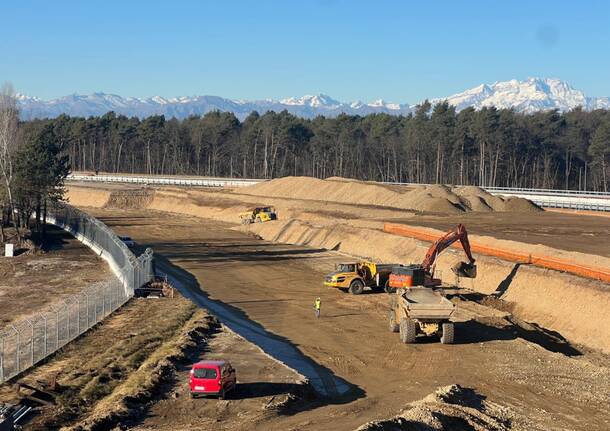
(595, 273)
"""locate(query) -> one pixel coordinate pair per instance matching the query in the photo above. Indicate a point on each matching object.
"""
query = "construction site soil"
(522, 368)
(531, 346)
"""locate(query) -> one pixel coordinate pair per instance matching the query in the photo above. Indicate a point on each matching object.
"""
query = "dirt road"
(274, 285)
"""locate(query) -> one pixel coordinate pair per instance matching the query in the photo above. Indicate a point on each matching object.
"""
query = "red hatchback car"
(212, 378)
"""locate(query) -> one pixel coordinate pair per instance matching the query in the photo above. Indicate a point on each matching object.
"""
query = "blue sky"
(401, 51)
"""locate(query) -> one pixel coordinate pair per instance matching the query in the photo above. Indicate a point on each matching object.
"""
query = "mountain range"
(530, 95)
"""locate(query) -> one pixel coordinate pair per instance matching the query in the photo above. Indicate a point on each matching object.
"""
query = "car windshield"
(205, 373)
(345, 267)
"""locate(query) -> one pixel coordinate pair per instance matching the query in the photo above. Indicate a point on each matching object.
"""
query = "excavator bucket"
(465, 270)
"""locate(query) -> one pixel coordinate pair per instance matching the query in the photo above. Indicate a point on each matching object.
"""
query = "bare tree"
(9, 118)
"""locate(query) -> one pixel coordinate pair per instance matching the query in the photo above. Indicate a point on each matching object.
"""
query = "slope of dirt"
(432, 198)
(453, 408)
(561, 232)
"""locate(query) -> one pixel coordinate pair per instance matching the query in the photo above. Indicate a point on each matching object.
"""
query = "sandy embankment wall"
(575, 307)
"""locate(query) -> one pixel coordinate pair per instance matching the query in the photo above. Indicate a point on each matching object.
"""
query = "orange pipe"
(602, 274)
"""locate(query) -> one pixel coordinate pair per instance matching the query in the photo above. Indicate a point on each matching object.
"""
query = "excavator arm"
(458, 234)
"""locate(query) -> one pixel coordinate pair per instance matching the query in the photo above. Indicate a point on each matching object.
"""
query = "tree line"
(486, 147)
(32, 170)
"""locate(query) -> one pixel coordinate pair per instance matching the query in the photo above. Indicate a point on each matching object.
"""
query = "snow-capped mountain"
(530, 95)
(182, 107)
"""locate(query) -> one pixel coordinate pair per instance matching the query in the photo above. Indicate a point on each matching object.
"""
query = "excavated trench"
(569, 309)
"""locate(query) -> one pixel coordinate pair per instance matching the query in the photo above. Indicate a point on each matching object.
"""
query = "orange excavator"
(423, 274)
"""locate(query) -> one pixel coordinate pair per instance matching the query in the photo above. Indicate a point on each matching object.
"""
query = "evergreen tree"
(600, 150)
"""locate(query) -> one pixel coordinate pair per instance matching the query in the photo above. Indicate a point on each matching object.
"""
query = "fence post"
(87, 296)
(77, 316)
(68, 315)
(1, 359)
(95, 311)
(57, 329)
(45, 334)
(17, 349)
(32, 342)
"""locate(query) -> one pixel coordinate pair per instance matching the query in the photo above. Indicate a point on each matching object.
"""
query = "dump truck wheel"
(356, 287)
(392, 321)
(448, 333)
(408, 331)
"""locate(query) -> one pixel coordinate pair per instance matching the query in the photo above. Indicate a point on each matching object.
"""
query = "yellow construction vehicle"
(354, 277)
(258, 215)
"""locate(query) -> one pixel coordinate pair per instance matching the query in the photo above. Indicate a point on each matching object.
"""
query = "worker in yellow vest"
(316, 306)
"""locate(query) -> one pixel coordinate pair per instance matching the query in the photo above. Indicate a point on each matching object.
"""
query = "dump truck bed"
(425, 304)
(385, 267)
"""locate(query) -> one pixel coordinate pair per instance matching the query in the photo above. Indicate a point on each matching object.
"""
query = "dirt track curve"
(271, 287)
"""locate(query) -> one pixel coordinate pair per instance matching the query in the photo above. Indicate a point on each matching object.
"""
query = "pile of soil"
(455, 408)
(424, 198)
(130, 199)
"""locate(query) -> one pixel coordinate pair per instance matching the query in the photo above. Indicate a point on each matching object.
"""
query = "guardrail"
(28, 341)
(595, 273)
(167, 181)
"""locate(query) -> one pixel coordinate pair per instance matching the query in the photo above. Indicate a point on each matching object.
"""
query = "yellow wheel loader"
(258, 215)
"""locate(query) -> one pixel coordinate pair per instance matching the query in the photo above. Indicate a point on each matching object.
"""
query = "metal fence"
(26, 342)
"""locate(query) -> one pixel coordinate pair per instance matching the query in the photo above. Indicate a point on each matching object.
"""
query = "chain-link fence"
(26, 342)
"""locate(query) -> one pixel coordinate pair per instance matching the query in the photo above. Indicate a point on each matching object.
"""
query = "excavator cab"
(465, 270)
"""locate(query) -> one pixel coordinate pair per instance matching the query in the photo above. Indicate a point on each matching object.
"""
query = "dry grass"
(113, 356)
(140, 386)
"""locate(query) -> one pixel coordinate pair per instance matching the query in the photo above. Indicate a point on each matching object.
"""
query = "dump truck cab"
(258, 215)
(355, 276)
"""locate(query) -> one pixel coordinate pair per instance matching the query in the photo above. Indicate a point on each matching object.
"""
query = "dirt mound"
(425, 198)
(453, 408)
(130, 199)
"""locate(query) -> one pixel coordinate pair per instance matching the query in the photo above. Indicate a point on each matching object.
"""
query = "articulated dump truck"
(421, 311)
(354, 277)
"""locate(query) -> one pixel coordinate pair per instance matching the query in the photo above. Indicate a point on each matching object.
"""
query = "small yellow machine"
(258, 215)
(354, 277)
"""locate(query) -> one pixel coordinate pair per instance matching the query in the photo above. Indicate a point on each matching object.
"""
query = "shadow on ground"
(474, 331)
(330, 388)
